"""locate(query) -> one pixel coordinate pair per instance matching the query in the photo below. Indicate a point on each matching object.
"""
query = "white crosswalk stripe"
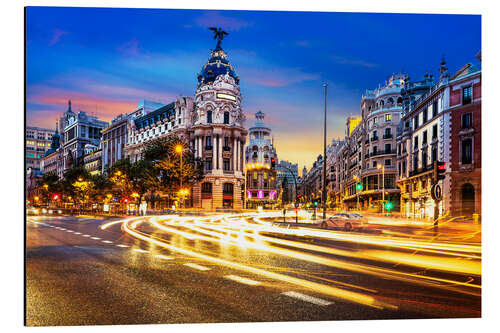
(307, 298)
(242, 280)
(198, 267)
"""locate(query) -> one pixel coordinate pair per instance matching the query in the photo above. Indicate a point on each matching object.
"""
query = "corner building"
(218, 135)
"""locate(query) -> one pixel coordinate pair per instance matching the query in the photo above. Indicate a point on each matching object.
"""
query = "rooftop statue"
(219, 35)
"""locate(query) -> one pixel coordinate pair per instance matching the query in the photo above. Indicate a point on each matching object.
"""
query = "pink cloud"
(56, 36)
(215, 19)
(131, 47)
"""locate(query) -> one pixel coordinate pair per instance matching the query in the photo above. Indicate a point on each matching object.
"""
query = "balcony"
(208, 147)
(383, 152)
(226, 148)
(374, 138)
(387, 136)
(228, 172)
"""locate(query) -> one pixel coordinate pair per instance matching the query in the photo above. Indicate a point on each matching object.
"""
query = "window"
(466, 120)
(424, 116)
(434, 132)
(434, 109)
(388, 117)
(467, 95)
(226, 117)
(226, 165)
(424, 157)
(424, 138)
(209, 117)
(374, 149)
(387, 162)
(388, 148)
(407, 124)
(208, 143)
(255, 175)
(415, 162)
(30, 142)
(208, 164)
(404, 167)
(227, 188)
(415, 122)
(467, 151)
(374, 164)
(433, 155)
(388, 133)
(415, 143)
(206, 190)
(374, 120)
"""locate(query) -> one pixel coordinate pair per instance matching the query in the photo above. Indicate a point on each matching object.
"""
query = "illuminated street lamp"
(179, 149)
(379, 166)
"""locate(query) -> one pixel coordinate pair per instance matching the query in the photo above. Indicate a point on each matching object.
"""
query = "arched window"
(226, 117)
(206, 190)
(468, 199)
(400, 101)
(227, 188)
(382, 103)
(209, 117)
(390, 100)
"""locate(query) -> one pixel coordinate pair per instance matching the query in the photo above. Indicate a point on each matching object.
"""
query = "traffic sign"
(436, 193)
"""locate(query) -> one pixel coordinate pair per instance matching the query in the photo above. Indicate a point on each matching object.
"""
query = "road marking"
(78, 233)
(107, 241)
(96, 238)
(310, 299)
(141, 251)
(242, 280)
(161, 256)
(69, 231)
(122, 245)
(198, 267)
(86, 236)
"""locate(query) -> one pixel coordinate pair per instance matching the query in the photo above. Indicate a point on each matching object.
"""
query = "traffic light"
(315, 202)
(359, 187)
(55, 197)
(439, 170)
(388, 206)
(125, 200)
(273, 162)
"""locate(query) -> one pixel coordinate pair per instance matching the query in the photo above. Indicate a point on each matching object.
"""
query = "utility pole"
(324, 160)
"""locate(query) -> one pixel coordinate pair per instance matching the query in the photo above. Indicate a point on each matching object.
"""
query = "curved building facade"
(260, 157)
(218, 134)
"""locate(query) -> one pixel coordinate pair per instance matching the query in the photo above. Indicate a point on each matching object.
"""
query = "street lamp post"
(324, 159)
(178, 149)
(383, 185)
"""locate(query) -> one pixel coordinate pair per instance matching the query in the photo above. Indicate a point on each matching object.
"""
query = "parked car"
(346, 221)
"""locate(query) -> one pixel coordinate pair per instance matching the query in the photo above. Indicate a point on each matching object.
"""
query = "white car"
(346, 221)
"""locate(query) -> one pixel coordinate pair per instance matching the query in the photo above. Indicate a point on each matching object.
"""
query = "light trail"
(328, 290)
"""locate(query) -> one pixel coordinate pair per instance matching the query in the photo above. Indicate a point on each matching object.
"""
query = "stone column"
(216, 194)
(219, 151)
(235, 154)
(237, 200)
(214, 152)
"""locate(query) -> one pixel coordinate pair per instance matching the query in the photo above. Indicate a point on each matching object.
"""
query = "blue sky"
(106, 59)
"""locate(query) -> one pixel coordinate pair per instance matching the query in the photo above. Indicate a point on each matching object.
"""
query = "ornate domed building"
(260, 164)
(218, 133)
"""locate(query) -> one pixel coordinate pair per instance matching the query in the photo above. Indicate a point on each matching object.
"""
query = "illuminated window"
(388, 117)
(30, 142)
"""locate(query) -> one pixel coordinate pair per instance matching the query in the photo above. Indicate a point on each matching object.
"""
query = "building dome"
(215, 66)
(56, 142)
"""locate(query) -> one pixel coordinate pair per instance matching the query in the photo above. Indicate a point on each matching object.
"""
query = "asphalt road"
(240, 269)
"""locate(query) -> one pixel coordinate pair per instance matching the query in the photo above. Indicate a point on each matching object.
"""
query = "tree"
(50, 185)
(162, 154)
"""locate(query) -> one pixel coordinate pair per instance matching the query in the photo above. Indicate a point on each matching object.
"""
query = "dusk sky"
(106, 60)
